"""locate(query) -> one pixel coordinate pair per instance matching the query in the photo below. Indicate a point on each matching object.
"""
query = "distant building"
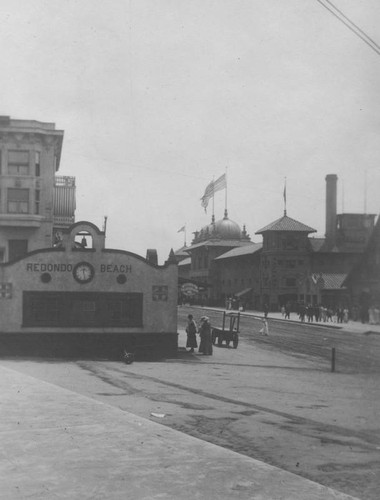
(289, 266)
(285, 261)
(209, 243)
(35, 203)
(363, 281)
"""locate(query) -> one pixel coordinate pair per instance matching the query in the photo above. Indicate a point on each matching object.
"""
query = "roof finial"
(285, 198)
(225, 213)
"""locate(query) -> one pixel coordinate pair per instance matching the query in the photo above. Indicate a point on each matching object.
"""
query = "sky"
(158, 97)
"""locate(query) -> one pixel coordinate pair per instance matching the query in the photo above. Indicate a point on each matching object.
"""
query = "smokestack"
(331, 198)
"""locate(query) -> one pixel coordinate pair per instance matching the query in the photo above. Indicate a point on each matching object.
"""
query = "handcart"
(229, 331)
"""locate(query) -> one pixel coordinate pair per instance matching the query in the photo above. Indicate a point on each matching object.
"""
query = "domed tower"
(210, 242)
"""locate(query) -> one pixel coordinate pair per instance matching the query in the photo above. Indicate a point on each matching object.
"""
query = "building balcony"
(21, 220)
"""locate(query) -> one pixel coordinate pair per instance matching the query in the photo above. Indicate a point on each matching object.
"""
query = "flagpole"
(213, 199)
(285, 197)
(185, 236)
(225, 195)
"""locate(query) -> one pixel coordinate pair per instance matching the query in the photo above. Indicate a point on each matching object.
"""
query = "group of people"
(205, 335)
(326, 314)
(318, 313)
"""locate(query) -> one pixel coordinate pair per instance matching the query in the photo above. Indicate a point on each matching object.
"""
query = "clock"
(83, 272)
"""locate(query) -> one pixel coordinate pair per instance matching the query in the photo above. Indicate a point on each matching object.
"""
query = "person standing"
(266, 310)
(205, 346)
(191, 331)
(345, 314)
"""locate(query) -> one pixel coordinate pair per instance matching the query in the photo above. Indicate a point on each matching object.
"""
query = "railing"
(63, 180)
(63, 221)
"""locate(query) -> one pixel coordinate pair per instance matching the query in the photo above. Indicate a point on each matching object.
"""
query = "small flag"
(182, 230)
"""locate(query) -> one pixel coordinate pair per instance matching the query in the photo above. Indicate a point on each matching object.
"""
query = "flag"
(211, 188)
(220, 183)
(182, 230)
(209, 192)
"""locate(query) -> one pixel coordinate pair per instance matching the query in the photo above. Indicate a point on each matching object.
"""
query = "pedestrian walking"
(302, 313)
(191, 331)
(265, 329)
(287, 310)
(205, 346)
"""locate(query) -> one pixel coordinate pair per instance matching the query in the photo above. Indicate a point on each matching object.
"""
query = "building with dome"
(288, 267)
(208, 244)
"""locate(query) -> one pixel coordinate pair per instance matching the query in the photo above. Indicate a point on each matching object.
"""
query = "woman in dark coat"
(205, 346)
(191, 330)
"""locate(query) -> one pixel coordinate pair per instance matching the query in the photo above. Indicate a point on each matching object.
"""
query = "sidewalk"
(351, 326)
(59, 444)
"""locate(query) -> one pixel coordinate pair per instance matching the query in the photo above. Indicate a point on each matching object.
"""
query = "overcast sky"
(157, 97)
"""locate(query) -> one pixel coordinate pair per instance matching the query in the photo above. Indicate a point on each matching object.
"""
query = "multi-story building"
(62, 292)
(35, 203)
(285, 260)
(289, 266)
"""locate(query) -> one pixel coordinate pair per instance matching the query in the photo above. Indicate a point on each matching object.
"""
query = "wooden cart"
(229, 331)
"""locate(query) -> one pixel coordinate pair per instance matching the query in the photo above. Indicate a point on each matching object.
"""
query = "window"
(37, 163)
(17, 249)
(18, 162)
(37, 201)
(290, 282)
(290, 263)
(18, 201)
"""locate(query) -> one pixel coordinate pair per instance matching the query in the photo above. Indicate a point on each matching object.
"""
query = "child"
(265, 329)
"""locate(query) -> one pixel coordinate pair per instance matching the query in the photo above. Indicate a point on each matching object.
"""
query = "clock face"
(83, 272)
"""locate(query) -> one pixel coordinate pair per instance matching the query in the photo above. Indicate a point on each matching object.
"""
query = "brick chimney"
(331, 200)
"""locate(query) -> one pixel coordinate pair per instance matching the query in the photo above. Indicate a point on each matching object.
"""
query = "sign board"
(189, 289)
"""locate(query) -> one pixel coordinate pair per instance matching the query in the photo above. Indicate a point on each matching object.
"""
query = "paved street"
(266, 399)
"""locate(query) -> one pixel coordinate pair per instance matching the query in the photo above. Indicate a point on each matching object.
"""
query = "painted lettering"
(42, 268)
(115, 268)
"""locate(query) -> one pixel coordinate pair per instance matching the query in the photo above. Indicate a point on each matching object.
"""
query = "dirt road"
(271, 402)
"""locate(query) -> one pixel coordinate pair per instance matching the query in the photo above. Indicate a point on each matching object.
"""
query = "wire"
(356, 26)
(352, 26)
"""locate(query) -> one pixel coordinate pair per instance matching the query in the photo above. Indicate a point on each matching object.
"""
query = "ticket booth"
(80, 299)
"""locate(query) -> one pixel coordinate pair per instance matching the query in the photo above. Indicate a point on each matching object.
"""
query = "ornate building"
(35, 204)
(209, 243)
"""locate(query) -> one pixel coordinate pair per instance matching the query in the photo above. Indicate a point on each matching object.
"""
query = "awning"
(243, 292)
